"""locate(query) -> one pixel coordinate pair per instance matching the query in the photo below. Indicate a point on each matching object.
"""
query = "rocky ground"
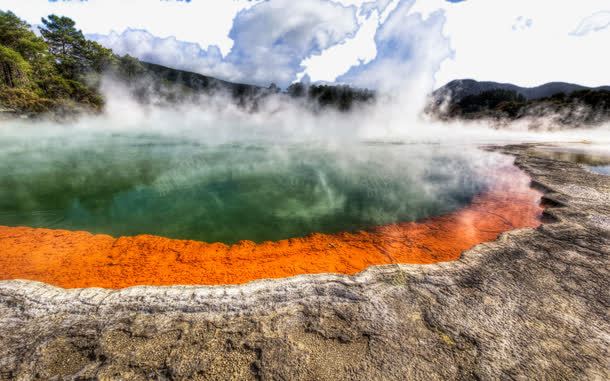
(531, 305)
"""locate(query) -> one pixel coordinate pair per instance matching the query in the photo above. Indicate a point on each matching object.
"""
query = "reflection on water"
(592, 158)
(121, 184)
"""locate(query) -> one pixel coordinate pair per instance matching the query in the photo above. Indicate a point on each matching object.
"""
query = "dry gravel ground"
(531, 305)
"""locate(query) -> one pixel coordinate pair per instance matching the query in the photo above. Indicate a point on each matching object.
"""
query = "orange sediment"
(80, 259)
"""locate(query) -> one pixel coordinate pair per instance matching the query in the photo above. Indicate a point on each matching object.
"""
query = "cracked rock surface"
(532, 305)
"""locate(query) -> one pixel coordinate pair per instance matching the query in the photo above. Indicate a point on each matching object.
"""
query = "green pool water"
(129, 184)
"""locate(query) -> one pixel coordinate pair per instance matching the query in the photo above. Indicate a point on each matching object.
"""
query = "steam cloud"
(286, 128)
(210, 139)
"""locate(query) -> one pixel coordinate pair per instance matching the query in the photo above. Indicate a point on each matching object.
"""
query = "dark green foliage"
(173, 86)
(505, 102)
(558, 96)
(14, 69)
(74, 54)
(23, 55)
(248, 96)
(66, 44)
(16, 34)
(297, 90)
(491, 99)
(98, 58)
(598, 99)
(130, 68)
(341, 97)
(49, 73)
(584, 106)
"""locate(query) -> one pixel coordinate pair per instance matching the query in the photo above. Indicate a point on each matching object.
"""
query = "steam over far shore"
(217, 118)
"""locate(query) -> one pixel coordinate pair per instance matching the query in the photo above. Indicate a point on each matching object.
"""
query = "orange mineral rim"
(79, 259)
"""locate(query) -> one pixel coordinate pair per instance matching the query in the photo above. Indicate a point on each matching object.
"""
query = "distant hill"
(460, 88)
(199, 82)
(178, 85)
(561, 104)
(152, 83)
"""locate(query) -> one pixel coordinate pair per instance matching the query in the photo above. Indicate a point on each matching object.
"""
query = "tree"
(14, 70)
(55, 71)
(273, 89)
(130, 67)
(297, 90)
(16, 35)
(67, 44)
(98, 58)
(75, 54)
(490, 100)
(24, 61)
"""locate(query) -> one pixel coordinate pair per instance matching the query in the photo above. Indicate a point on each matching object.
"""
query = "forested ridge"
(564, 104)
(60, 72)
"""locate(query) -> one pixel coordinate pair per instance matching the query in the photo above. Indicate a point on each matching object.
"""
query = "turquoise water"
(122, 184)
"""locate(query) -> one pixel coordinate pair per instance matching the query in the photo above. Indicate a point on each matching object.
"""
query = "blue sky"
(372, 43)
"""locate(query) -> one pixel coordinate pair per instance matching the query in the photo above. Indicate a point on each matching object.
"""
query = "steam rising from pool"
(212, 171)
(182, 187)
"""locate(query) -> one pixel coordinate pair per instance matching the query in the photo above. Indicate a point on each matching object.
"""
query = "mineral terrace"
(531, 305)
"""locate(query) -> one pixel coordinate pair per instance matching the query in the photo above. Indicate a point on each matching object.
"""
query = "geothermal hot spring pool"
(116, 210)
(126, 186)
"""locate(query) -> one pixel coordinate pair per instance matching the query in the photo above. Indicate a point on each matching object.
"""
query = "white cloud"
(270, 42)
(170, 52)
(357, 51)
(487, 48)
(204, 22)
(521, 41)
(522, 23)
(273, 38)
(594, 23)
(337, 59)
(410, 50)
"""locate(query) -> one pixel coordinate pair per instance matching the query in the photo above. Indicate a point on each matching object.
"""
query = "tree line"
(342, 97)
(584, 106)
